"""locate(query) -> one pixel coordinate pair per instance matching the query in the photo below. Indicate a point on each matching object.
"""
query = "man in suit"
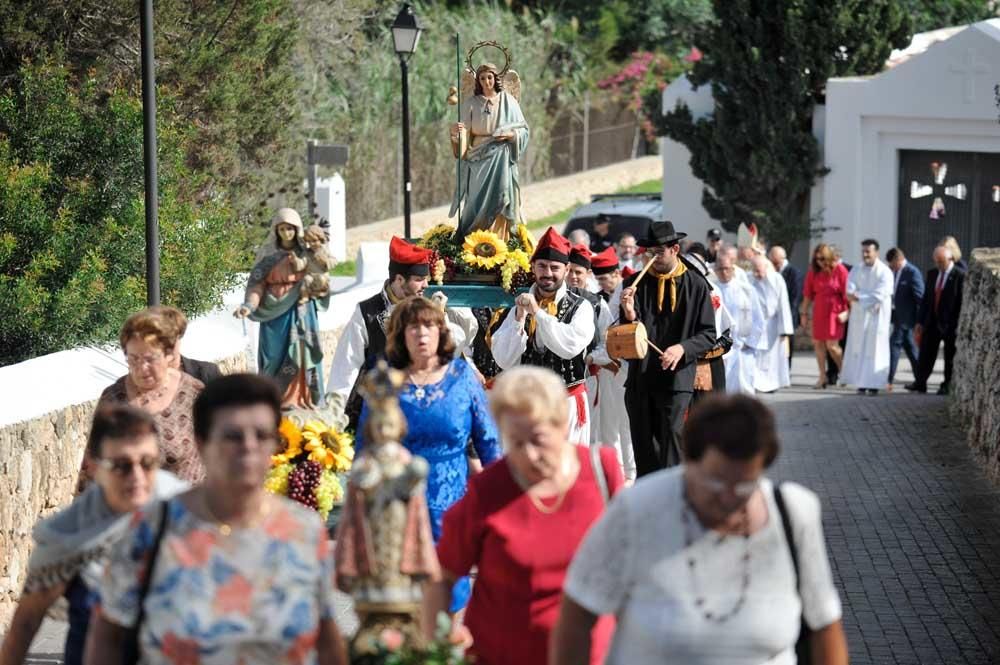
(939, 319)
(907, 294)
(793, 282)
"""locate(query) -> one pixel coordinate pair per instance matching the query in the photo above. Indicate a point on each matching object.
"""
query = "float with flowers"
(313, 460)
(481, 269)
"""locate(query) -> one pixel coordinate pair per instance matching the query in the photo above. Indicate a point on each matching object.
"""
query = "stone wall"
(39, 462)
(975, 400)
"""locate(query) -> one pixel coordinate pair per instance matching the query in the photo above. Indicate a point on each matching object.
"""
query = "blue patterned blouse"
(440, 420)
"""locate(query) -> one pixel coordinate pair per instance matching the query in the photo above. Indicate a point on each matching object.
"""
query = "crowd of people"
(534, 431)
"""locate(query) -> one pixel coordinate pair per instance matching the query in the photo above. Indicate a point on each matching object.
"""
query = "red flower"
(694, 56)
(716, 301)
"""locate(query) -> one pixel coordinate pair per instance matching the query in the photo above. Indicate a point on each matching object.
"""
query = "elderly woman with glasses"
(226, 572)
(708, 562)
(520, 522)
(149, 339)
(71, 546)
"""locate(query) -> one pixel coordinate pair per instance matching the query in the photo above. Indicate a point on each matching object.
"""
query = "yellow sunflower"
(328, 447)
(484, 249)
(527, 242)
(291, 441)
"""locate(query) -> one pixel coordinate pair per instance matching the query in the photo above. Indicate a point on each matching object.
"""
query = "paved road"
(913, 527)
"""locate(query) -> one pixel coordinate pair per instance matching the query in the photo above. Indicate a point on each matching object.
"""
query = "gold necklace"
(419, 392)
(566, 469)
(223, 527)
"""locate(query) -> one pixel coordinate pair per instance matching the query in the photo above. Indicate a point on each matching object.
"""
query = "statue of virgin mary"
(490, 139)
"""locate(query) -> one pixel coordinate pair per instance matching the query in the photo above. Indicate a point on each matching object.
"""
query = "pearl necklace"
(691, 523)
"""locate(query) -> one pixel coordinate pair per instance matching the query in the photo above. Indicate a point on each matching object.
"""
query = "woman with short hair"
(227, 572)
(520, 523)
(153, 383)
(695, 564)
(826, 289)
(71, 547)
(445, 407)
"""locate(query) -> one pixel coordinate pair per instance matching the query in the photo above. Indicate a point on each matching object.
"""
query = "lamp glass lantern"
(406, 31)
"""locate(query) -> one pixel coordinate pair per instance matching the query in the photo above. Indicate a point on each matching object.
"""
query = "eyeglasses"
(715, 486)
(122, 466)
(139, 361)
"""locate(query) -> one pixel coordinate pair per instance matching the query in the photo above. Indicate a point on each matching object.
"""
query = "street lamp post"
(149, 154)
(406, 31)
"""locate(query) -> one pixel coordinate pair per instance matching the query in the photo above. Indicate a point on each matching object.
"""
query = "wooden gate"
(945, 193)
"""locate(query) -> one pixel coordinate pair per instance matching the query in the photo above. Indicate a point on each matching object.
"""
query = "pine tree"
(767, 62)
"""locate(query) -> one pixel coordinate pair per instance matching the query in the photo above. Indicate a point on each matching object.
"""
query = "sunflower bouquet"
(308, 467)
(480, 253)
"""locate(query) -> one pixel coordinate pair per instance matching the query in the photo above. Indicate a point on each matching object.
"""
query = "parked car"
(631, 213)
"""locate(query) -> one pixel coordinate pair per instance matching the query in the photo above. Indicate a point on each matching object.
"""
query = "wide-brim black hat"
(662, 233)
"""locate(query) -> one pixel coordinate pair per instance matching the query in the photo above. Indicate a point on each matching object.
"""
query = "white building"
(913, 152)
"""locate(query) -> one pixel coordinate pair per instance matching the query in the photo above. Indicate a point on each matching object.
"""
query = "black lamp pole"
(407, 186)
(149, 155)
(406, 31)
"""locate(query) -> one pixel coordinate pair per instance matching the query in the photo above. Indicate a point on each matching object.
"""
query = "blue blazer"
(909, 295)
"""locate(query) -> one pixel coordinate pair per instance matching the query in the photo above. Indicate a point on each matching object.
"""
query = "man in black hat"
(676, 308)
(713, 243)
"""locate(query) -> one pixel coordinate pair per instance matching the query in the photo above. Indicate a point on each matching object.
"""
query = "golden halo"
(500, 47)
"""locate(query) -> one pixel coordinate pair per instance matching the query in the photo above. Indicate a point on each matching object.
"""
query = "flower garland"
(480, 252)
(306, 468)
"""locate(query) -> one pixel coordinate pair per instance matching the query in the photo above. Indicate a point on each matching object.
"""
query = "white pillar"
(331, 203)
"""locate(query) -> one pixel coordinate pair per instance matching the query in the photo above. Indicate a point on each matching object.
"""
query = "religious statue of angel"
(489, 139)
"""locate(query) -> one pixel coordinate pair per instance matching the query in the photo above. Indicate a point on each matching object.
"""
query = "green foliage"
(72, 215)
(933, 14)
(768, 63)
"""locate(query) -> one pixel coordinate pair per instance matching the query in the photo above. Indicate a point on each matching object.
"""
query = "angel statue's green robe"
(489, 179)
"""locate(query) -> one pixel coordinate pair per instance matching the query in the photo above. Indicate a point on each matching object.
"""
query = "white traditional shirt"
(866, 356)
(566, 340)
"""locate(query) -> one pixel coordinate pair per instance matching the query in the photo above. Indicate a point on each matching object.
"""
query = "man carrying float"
(551, 326)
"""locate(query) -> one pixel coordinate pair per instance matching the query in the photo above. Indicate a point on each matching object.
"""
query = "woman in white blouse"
(694, 561)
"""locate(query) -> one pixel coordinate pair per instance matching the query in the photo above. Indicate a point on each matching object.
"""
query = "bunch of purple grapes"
(302, 483)
(522, 279)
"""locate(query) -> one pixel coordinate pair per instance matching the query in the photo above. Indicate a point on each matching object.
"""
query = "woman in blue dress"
(445, 406)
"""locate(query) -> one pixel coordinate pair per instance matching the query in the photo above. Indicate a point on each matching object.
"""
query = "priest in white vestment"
(772, 370)
(747, 318)
(869, 290)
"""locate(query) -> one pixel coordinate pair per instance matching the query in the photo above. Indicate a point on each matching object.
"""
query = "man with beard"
(551, 326)
(364, 337)
(676, 310)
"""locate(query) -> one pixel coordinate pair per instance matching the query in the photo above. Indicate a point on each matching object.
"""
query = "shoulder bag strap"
(147, 580)
(598, 469)
(786, 524)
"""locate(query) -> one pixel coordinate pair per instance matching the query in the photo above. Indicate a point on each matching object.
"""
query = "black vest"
(482, 355)
(595, 303)
(375, 312)
(572, 371)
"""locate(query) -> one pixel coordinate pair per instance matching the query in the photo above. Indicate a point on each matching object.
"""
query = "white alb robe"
(607, 403)
(866, 357)
(597, 355)
(349, 357)
(566, 340)
(748, 324)
(772, 359)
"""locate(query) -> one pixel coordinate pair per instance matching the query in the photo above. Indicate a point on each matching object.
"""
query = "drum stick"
(655, 347)
(642, 273)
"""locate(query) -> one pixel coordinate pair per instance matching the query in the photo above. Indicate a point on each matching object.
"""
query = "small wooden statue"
(385, 550)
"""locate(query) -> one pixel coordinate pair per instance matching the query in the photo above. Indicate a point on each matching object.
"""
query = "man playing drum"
(676, 309)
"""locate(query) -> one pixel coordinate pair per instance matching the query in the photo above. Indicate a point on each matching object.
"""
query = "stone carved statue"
(490, 138)
(384, 546)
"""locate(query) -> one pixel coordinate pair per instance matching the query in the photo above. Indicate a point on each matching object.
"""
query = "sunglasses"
(122, 466)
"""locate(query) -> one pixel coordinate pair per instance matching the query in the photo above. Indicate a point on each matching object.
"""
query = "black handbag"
(132, 642)
(803, 647)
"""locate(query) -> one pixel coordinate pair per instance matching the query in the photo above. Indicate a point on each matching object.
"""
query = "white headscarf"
(283, 216)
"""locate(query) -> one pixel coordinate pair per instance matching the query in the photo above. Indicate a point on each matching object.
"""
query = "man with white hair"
(579, 237)
(747, 317)
(772, 358)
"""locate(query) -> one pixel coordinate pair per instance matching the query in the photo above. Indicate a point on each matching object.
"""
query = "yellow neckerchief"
(678, 270)
(549, 305)
(392, 297)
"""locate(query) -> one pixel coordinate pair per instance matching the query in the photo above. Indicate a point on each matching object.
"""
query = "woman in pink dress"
(826, 289)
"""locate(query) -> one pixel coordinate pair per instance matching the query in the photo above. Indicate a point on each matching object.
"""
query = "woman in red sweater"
(520, 523)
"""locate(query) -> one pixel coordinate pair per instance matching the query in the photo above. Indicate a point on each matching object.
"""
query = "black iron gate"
(947, 194)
